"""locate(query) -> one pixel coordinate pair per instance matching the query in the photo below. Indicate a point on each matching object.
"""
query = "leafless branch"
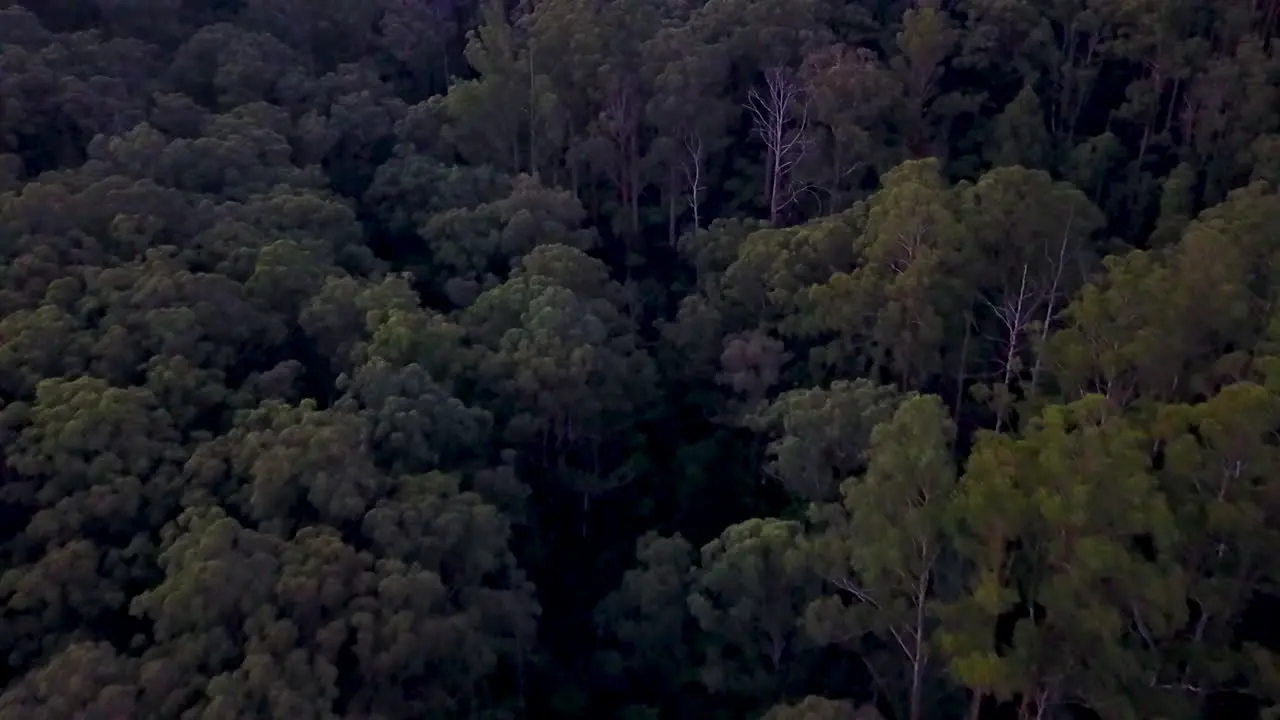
(848, 586)
(692, 166)
(780, 111)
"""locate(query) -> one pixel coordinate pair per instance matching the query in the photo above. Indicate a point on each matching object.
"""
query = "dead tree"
(1028, 305)
(781, 116)
(691, 165)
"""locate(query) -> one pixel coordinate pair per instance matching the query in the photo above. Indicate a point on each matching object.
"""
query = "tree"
(1052, 524)
(780, 113)
(688, 114)
(885, 548)
(87, 465)
(562, 365)
(647, 616)
(748, 599)
(823, 435)
(1020, 137)
(1168, 325)
(924, 43)
(909, 272)
(849, 94)
(1216, 456)
(486, 126)
(1031, 238)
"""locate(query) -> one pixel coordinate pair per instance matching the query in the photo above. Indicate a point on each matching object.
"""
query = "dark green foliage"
(729, 359)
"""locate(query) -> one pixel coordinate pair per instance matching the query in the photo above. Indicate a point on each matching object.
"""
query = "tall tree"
(885, 550)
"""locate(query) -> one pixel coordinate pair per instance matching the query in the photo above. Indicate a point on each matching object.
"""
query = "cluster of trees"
(786, 359)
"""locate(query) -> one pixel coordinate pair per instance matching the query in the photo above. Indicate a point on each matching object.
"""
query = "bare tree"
(781, 116)
(1014, 311)
(1029, 303)
(691, 164)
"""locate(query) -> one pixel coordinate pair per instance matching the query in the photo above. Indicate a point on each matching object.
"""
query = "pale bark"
(781, 116)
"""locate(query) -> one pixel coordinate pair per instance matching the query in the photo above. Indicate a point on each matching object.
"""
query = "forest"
(639, 359)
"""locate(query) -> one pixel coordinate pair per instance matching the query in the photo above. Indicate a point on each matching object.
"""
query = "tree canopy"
(705, 359)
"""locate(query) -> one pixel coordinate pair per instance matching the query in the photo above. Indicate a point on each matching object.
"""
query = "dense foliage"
(786, 359)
